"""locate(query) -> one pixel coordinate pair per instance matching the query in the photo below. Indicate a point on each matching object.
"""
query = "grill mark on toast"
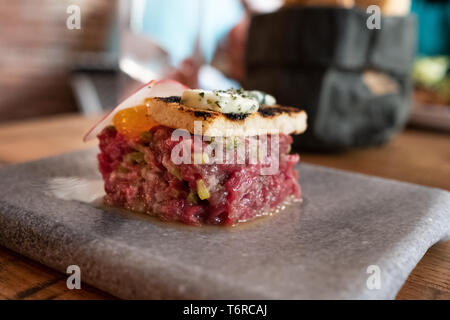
(271, 111)
(171, 99)
(236, 116)
(177, 115)
(264, 111)
(202, 114)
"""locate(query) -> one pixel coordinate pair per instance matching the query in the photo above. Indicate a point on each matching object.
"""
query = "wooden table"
(416, 156)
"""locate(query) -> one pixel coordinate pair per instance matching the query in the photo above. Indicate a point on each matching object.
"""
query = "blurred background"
(48, 68)
(388, 88)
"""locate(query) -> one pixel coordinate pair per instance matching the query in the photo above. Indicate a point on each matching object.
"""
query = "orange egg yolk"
(132, 122)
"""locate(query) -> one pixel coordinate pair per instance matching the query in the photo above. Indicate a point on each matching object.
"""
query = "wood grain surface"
(415, 156)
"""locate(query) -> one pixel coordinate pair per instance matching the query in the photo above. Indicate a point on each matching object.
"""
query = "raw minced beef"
(140, 176)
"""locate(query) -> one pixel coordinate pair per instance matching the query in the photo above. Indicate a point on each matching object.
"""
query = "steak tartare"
(197, 156)
(140, 176)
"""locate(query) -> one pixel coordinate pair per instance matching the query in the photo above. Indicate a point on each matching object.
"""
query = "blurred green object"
(429, 71)
(433, 73)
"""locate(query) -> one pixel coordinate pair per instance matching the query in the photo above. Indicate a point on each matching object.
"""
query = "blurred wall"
(37, 52)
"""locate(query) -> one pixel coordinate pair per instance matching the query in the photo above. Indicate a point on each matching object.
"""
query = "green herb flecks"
(135, 157)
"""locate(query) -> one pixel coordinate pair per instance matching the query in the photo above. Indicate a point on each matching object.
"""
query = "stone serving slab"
(319, 249)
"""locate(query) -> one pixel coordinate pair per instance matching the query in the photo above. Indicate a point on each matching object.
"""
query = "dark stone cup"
(352, 81)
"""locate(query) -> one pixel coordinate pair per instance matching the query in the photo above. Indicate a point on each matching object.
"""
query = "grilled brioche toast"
(274, 119)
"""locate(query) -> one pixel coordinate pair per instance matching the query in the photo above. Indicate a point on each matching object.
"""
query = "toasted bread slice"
(267, 120)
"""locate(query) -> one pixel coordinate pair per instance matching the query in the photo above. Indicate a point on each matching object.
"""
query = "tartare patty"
(199, 156)
(140, 176)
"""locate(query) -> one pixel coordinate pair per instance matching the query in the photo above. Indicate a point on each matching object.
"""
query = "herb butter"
(226, 101)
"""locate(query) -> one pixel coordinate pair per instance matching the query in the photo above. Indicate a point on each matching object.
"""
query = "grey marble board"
(323, 248)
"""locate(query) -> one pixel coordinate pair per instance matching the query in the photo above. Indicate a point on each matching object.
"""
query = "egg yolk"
(132, 122)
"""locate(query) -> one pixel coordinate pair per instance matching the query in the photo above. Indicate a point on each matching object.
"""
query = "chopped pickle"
(121, 169)
(135, 157)
(201, 158)
(232, 142)
(192, 198)
(175, 172)
(202, 190)
(140, 147)
(146, 136)
(175, 193)
(132, 122)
